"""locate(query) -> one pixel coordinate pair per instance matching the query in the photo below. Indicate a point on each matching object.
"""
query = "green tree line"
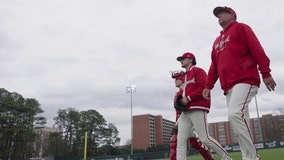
(17, 118)
(102, 137)
(18, 140)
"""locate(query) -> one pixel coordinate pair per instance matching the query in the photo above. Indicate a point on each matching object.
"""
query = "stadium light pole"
(131, 89)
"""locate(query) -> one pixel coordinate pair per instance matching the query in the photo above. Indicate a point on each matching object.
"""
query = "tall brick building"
(149, 130)
(269, 128)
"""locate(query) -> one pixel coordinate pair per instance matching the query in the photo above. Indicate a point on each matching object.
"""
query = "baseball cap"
(177, 75)
(219, 9)
(186, 55)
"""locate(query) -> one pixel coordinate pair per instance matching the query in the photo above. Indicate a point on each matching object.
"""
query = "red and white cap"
(186, 55)
(219, 9)
(178, 75)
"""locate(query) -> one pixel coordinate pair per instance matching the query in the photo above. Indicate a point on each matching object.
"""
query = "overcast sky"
(83, 53)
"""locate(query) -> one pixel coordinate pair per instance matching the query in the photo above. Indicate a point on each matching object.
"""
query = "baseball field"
(265, 154)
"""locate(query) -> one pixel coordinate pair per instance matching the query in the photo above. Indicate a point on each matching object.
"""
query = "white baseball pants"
(238, 99)
(196, 119)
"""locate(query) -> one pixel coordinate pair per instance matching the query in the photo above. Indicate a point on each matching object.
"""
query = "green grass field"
(265, 154)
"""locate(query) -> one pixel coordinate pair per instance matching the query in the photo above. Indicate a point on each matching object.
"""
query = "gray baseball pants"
(238, 99)
(196, 119)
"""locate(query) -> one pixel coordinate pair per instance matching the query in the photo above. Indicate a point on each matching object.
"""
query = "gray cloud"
(83, 54)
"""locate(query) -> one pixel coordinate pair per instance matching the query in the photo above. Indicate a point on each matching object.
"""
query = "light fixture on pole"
(131, 89)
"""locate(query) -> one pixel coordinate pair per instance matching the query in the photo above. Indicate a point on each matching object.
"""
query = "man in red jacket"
(237, 58)
(194, 109)
(194, 142)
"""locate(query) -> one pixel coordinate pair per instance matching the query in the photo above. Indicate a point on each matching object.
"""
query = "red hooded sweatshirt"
(237, 56)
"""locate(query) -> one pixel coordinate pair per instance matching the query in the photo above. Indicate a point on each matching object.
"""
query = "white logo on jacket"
(187, 82)
(221, 44)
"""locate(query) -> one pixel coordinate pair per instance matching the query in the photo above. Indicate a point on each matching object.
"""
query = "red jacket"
(194, 83)
(236, 56)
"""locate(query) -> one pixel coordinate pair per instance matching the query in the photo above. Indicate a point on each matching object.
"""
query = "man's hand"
(206, 93)
(270, 83)
(184, 101)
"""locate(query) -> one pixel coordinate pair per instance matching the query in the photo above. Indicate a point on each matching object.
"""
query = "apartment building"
(41, 145)
(150, 130)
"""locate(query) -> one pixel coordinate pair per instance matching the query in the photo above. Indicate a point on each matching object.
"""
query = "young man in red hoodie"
(237, 58)
(194, 142)
(194, 109)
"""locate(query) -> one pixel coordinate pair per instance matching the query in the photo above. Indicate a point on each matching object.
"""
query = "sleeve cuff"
(265, 75)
